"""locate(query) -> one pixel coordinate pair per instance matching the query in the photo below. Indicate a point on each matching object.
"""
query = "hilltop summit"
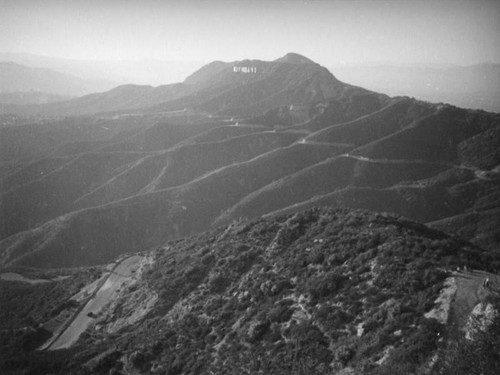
(244, 88)
(294, 58)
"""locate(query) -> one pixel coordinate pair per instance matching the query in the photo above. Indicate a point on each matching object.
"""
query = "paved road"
(101, 296)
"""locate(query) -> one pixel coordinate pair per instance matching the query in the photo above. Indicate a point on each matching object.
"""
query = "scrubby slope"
(30, 139)
(398, 114)
(98, 234)
(446, 194)
(53, 194)
(327, 176)
(183, 164)
(433, 138)
(481, 228)
(316, 292)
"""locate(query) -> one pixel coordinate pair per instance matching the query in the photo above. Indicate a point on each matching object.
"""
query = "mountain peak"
(295, 58)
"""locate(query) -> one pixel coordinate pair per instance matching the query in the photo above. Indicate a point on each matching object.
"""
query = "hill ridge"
(233, 143)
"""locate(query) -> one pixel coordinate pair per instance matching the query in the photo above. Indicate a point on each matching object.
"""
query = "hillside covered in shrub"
(322, 291)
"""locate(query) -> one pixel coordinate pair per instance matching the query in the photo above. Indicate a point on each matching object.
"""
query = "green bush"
(325, 285)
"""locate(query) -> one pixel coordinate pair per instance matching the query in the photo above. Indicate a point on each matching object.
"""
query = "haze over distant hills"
(151, 72)
(474, 86)
(16, 78)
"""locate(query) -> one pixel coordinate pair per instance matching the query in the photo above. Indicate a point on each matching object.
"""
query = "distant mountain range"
(30, 97)
(217, 89)
(236, 140)
(16, 79)
(474, 86)
(150, 72)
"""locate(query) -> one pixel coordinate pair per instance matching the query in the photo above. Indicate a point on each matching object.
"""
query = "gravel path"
(470, 291)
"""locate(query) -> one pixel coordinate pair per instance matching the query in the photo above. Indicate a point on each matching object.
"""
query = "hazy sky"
(329, 32)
